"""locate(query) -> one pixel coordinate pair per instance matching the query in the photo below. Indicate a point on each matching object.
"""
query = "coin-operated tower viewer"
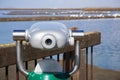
(47, 36)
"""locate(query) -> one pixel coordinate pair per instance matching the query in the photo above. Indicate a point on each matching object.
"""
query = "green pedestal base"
(48, 76)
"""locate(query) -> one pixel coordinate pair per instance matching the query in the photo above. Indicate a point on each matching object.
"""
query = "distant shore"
(86, 9)
(47, 14)
(44, 18)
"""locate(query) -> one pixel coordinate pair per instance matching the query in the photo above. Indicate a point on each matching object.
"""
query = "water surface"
(106, 55)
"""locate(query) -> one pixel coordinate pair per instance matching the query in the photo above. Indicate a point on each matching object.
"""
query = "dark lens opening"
(48, 41)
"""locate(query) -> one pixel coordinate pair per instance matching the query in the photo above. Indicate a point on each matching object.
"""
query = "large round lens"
(48, 41)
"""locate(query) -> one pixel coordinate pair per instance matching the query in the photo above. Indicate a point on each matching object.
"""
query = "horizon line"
(91, 8)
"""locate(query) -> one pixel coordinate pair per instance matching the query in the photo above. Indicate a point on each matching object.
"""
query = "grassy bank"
(44, 18)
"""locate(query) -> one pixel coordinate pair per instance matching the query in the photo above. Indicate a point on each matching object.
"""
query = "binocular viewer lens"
(48, 42)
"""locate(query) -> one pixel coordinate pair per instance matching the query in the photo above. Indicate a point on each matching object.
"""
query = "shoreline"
(86, 9)
(36, 14)
(45, 18)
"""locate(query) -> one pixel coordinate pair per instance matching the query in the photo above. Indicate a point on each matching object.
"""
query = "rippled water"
(106, 55)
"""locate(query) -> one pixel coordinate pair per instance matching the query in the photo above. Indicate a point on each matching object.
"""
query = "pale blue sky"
(58, 3)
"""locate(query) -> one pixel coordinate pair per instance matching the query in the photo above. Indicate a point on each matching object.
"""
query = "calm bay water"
(106, 55)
